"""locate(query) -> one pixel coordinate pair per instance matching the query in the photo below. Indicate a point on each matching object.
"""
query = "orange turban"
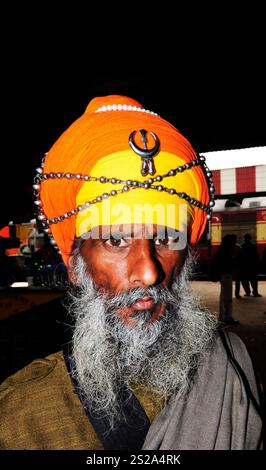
(83, 166)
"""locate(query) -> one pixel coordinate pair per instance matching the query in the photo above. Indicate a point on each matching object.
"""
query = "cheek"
(173, 264)
(107, 274)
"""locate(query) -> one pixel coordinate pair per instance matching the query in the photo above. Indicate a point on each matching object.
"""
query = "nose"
(145, 269)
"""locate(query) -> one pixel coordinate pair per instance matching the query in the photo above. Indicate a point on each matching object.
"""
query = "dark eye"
(161, 241)
(166, 241)
(116, 242)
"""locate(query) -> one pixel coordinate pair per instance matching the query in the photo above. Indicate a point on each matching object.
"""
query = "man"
(123, 195)
(249, 261)
(224, 265)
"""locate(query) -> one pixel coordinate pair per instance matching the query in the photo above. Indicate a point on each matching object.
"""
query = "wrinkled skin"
(119, 264)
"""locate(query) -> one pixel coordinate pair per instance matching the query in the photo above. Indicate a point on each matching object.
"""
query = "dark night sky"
(215, 102)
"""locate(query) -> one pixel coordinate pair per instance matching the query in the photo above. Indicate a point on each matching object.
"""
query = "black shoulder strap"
(130, 433)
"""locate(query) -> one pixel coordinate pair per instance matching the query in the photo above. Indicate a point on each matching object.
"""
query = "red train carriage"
(249, 217)
(239, 177)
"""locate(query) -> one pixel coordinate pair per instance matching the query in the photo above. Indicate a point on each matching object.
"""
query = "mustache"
(129, 297)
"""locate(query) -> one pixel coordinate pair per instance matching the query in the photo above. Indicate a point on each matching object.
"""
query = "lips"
(145, 303)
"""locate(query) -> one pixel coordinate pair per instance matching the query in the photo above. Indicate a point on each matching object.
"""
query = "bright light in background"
(239, 158)
(20, 284)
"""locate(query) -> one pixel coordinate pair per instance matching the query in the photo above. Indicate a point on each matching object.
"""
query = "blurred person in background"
(250, 261)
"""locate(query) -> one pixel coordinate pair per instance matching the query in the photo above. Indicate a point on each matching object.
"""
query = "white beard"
(162, 354)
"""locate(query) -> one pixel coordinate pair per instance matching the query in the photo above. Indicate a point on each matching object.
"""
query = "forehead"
(138, 231)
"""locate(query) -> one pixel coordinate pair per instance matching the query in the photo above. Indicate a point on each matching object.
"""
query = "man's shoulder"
(234, 342)
(230, 343)
(34, 378)
(230, 349)
(39, 408)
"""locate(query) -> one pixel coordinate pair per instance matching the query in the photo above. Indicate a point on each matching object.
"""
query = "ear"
(72, 275)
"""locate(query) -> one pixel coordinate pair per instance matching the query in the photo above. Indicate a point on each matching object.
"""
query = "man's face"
(116, 338)
(140, 258)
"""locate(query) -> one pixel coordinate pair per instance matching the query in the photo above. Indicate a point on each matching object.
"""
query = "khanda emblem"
(147, 163)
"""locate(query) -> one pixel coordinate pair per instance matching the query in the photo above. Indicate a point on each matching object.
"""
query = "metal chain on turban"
(128, 185)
